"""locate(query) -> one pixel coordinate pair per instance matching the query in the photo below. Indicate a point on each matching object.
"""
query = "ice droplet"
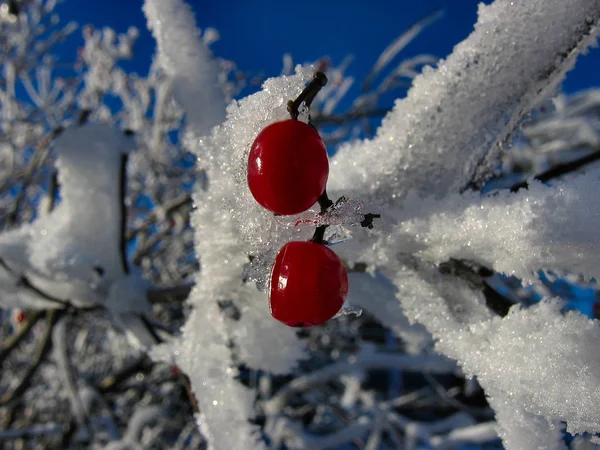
(349, 310)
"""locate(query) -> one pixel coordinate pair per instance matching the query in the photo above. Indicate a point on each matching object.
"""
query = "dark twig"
(368, 220)
(111, 382)
(42, 349)
(475, 275)
(12, 342)
(322, 120)
(35, 163)
(307, 95)
(560, 170)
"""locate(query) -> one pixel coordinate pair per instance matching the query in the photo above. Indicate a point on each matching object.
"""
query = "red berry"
(21, 316)
(309, 284)
(287, 167)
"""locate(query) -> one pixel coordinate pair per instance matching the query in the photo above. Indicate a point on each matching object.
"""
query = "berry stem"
(307, 95)
(319, 235)
(324, 201)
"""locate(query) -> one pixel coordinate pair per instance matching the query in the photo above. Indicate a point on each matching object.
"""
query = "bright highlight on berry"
(309, 284)
(288, 167)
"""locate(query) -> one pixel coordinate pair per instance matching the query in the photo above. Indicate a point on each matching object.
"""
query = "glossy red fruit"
(287, 167)
(309, 284)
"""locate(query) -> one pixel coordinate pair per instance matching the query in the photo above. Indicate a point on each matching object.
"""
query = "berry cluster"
(287, 174)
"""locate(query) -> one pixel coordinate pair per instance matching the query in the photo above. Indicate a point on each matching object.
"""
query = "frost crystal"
(436, 140)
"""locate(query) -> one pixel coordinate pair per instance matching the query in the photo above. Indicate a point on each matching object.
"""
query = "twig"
(475, 275)
(322, 120)
(560, 170)
(42, 350)
(111, 382)
(14, 340)
(165, 294)
(36, 161)
(168, 208)
(35, 430)
(421, 363)
(307, 95)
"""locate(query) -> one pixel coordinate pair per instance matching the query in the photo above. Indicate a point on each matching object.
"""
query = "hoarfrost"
(187, 60)
(454, 119)
(74, 254)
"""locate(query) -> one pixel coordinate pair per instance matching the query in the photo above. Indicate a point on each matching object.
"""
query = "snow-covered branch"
(450, 129)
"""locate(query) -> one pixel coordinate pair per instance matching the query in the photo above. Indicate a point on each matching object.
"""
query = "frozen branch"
(41, 351)
(369, 361)
(13, 341)
(455, 120)
(189, 63)
(60, 342)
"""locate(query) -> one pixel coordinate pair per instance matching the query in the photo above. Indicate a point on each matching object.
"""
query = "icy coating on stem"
(188, 61)
(447, 133)
(226, 217)
(229, 226)
(457, 116)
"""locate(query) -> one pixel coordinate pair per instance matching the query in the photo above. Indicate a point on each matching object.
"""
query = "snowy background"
(132, 314)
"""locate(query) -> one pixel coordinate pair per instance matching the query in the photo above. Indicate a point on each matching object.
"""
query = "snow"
(538, 366)
(460, 115)
(73, 255)
(228, 222)
(543, 227)
(188, 61)
(554, 357)
(449, 131)
(228, 225)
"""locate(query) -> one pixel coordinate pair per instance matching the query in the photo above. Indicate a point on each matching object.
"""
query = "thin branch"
(35, 163)
(167, 209)
(322, 120)
(42, 349)
(111, 382)
(560, 170)
(169, 293)
(11, 343)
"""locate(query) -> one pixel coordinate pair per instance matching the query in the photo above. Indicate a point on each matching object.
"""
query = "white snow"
(540, 360)
(537, 365)
(461, 114)
(229, 225)
(188, 61)
(543, 227)
(73, 255)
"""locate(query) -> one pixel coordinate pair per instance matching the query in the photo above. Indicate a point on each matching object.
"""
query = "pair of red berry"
(287, 174)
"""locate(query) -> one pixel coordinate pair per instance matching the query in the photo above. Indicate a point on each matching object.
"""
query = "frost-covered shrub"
(452, 272)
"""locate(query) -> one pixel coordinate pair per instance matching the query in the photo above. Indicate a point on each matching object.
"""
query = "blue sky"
(255, 34)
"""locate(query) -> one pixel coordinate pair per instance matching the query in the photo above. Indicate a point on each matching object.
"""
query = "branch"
(475, 275)
(33, 431)
(14, 340)
(421, 363)
(111, 382)
(170, 293)
(59, 339)
(167, 209)
(560, 170)
(42, 349)
(35, 163)
(323, 120)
